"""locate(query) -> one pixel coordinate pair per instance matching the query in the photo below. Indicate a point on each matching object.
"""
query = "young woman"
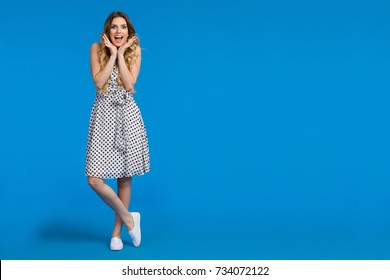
(117, 142)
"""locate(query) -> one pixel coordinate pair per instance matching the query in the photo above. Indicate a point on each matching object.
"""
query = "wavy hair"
(130, 54)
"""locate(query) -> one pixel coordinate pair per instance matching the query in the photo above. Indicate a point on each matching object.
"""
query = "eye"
(124, 27)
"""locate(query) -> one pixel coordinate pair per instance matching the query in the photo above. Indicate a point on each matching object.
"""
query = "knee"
(94, 183)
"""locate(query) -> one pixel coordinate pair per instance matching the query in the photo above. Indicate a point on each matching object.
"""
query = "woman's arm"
(100, 77)
(129, 76)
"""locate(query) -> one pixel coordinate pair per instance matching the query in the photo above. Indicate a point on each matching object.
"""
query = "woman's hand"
(108, 44)
(124, 47)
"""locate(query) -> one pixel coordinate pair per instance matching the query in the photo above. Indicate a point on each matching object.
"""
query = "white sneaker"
(135, 233)
(116, 244)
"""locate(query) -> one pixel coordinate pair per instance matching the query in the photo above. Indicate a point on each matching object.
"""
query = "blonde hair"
(130, 54)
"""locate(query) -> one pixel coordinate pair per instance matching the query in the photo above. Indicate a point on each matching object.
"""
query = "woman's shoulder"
(95, 46)
(138, 50)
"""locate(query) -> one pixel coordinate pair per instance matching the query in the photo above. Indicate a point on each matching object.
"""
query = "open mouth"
(118, 38)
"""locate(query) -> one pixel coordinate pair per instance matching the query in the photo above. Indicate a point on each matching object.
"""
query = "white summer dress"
(117, 142)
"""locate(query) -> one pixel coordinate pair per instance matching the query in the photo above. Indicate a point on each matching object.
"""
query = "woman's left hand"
(124, 47)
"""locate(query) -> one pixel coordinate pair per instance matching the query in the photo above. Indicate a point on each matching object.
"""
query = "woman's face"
(118, 31)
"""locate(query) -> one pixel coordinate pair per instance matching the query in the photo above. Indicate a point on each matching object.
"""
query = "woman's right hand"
(108, 44)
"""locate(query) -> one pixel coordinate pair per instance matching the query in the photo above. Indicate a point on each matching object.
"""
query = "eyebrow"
(117, 25)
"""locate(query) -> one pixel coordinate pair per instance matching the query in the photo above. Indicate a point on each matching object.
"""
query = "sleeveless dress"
(117, 143)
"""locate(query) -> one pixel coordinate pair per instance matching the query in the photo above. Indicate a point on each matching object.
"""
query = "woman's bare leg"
(124, 194)
(108, 195)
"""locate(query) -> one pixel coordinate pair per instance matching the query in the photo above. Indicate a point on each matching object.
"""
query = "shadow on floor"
(66, 230)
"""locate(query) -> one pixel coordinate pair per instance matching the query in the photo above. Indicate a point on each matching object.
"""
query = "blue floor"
(69, 228)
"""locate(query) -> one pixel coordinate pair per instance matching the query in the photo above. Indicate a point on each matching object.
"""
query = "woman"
(117, 142)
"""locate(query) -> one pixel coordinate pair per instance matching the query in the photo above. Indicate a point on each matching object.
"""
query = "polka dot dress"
(117, 142)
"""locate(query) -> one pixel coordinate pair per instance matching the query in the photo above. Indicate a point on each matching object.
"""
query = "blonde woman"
(117, 142)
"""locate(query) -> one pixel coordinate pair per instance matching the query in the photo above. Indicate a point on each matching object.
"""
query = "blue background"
(267, 125)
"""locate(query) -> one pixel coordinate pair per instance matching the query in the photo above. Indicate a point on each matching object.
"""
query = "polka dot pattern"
(117, 142)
